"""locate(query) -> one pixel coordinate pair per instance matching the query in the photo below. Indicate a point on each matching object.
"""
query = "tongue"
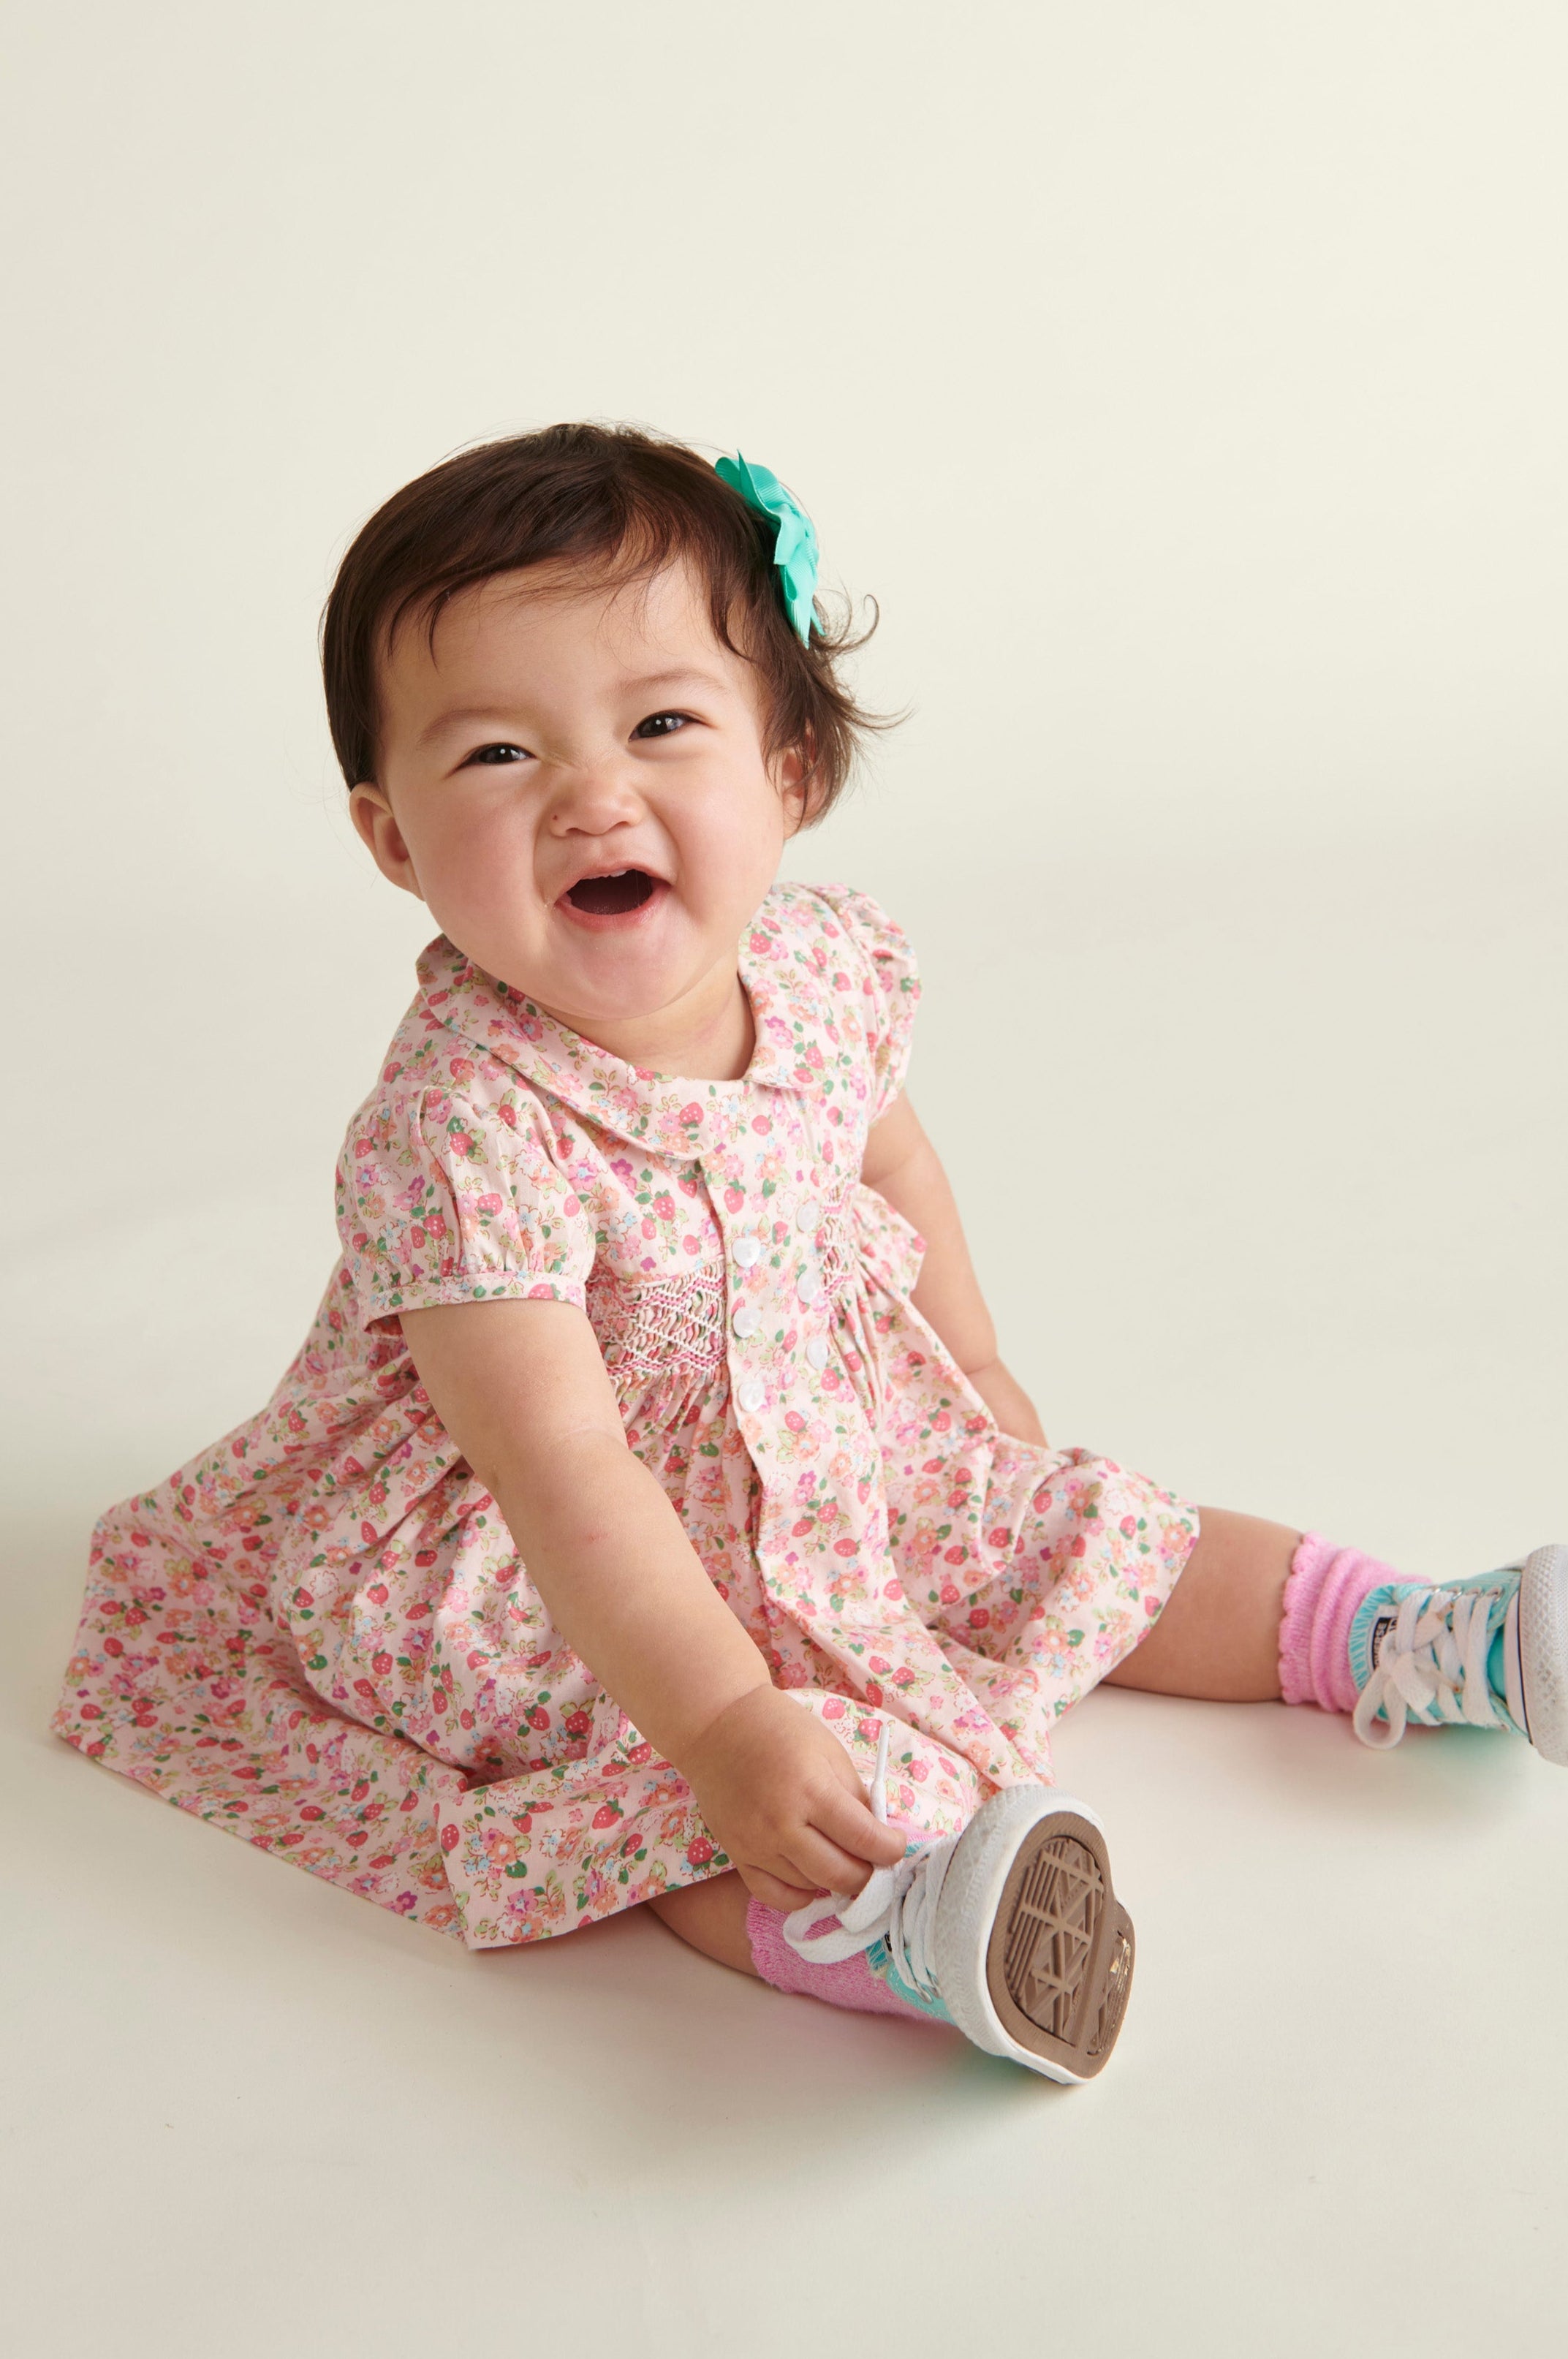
(607, 896)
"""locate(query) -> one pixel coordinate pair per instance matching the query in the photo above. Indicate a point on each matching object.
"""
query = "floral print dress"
(318, 1634)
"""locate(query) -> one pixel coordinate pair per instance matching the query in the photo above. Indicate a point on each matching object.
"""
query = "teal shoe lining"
(879, 1958)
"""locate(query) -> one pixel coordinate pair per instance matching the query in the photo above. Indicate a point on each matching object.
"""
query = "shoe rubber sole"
(1033, 1950)
(1543, 1651)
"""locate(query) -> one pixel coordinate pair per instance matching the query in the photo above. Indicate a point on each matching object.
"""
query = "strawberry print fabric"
(319, 1635)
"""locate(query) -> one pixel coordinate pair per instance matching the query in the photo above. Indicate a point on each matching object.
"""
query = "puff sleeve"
(443, 1198)
(891, 988)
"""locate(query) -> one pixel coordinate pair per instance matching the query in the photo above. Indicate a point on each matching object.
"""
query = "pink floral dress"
(318, 1634)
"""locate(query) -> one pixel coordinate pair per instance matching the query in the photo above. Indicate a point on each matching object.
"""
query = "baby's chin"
(616, 948)
(609, 988)
(627, 952)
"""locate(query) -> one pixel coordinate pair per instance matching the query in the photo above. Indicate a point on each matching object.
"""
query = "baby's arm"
(903, 1166)
(523, 1391)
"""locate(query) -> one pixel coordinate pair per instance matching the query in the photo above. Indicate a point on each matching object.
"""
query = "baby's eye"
(491, 755)
(661, 725)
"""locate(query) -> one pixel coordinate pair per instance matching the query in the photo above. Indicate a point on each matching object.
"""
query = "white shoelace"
(898, 1904)
(1434, 1659)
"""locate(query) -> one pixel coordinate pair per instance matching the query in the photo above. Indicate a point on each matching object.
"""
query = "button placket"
(818, 1220)
(776, 1281)
(745, 1320)
(749, 1288)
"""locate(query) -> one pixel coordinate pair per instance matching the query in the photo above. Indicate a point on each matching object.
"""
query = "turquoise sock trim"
(879, 1958)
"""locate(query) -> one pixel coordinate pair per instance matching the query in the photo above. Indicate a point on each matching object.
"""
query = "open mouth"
(612, 896)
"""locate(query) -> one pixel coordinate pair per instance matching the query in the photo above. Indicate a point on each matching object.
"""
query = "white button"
(751, 1395)
(808, 1285)
(747, 1250)
(746, 1320)
(817, 1351)
(809, 1215)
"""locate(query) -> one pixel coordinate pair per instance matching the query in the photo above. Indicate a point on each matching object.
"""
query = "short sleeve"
(443, 1200)
(890, 987)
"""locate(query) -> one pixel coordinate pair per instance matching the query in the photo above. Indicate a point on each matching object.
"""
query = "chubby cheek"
(729, 845)
(472, 864)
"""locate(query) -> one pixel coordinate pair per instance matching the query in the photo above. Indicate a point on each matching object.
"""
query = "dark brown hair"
(620, 503)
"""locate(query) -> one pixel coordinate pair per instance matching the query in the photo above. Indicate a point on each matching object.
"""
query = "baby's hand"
(781, 1795)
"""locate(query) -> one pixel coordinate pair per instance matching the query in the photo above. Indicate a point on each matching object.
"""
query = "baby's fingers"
(846, 1819)
(785, 1897)
(831, 1869)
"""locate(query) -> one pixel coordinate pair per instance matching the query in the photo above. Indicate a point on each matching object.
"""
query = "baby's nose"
(594, 796)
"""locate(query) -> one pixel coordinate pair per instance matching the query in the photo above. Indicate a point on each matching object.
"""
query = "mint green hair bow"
(795, 538)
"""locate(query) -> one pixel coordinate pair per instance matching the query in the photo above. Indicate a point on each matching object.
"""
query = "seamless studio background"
(1186, 383)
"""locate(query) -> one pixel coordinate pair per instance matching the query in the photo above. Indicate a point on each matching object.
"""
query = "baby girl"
(647, 1515)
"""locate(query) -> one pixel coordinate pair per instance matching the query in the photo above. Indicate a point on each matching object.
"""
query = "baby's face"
(573, 780)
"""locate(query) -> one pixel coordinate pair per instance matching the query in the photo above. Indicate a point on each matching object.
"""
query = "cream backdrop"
(1188, 385)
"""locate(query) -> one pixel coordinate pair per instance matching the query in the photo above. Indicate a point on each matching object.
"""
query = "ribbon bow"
(795, 538)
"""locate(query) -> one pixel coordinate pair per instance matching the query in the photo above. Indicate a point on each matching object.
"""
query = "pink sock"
(851, 1983)
(1326, 1586)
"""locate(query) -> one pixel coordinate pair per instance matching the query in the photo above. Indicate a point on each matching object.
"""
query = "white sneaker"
(1011, 1930)
(1491, 1652)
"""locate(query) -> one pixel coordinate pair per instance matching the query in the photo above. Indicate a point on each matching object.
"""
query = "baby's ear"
(799, 789)
(371, 816)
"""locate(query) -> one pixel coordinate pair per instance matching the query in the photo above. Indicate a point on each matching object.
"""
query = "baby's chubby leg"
(1218, 1636)
(1351, 1634)
(712, 1917)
